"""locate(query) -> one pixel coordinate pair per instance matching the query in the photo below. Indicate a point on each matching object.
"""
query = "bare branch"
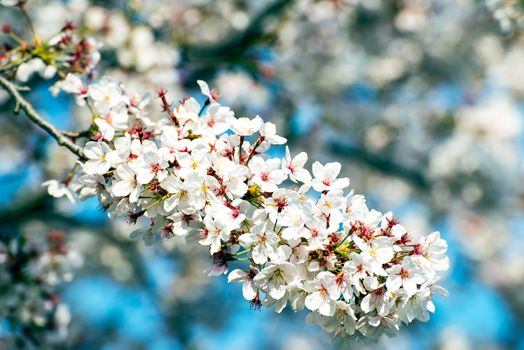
(22, 103)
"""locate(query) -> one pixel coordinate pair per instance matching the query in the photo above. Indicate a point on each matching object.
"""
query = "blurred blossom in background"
(420, 100)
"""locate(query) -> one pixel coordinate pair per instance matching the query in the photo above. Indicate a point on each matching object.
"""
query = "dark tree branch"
(381, 163)
(238, 43)
(32, 114)
(35, 203)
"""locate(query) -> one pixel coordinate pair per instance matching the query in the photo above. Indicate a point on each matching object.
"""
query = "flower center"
(403, 274)
(235, 212)
(281, 203)
(155, 168)
(265, 176)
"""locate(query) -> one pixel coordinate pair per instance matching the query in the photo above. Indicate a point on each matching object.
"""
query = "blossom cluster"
(142, 56)
(200, 170)
(31, 269)
(61, 53)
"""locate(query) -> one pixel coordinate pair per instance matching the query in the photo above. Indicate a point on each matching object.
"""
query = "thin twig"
(22, 103)
(76, 134)
(29, 21)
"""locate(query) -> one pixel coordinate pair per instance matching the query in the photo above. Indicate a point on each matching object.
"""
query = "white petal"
(248, 291)
(313, 301)
(409, 286)
(365, 304)
(393, 283)
(92, 150)
(259, 255)
(91, 167)
(248, 239)
(121, 189)
(318, 169)
(171, 184)
(332, 169)
(125, 172)
(144, 177)
(237, 275)
(327, 308)
(300, 159)
(277, 291)
(134, 195)
(204, 88)
(171, 203)
(302, 175)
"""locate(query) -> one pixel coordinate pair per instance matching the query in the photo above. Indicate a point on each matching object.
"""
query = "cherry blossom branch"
(32, 114)
(188, 176)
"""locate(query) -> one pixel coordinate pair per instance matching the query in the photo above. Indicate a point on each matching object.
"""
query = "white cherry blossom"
(126, 184)
(325, 177)
(72, 84)
(248, 290)
(59, 189)
(213, 235)
(430, 253)
(230, 215)
(179, 196)
(262, 240)
(106, 95)
(216, 117)
(323, 295)
(245, 126)
(377, 252)
(151, 165)
(268, 131)
(97, 162)
(266, 174)
(407, 276)
(295, 167)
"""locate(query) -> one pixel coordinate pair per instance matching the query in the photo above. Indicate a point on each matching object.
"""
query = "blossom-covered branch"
(200, 171)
